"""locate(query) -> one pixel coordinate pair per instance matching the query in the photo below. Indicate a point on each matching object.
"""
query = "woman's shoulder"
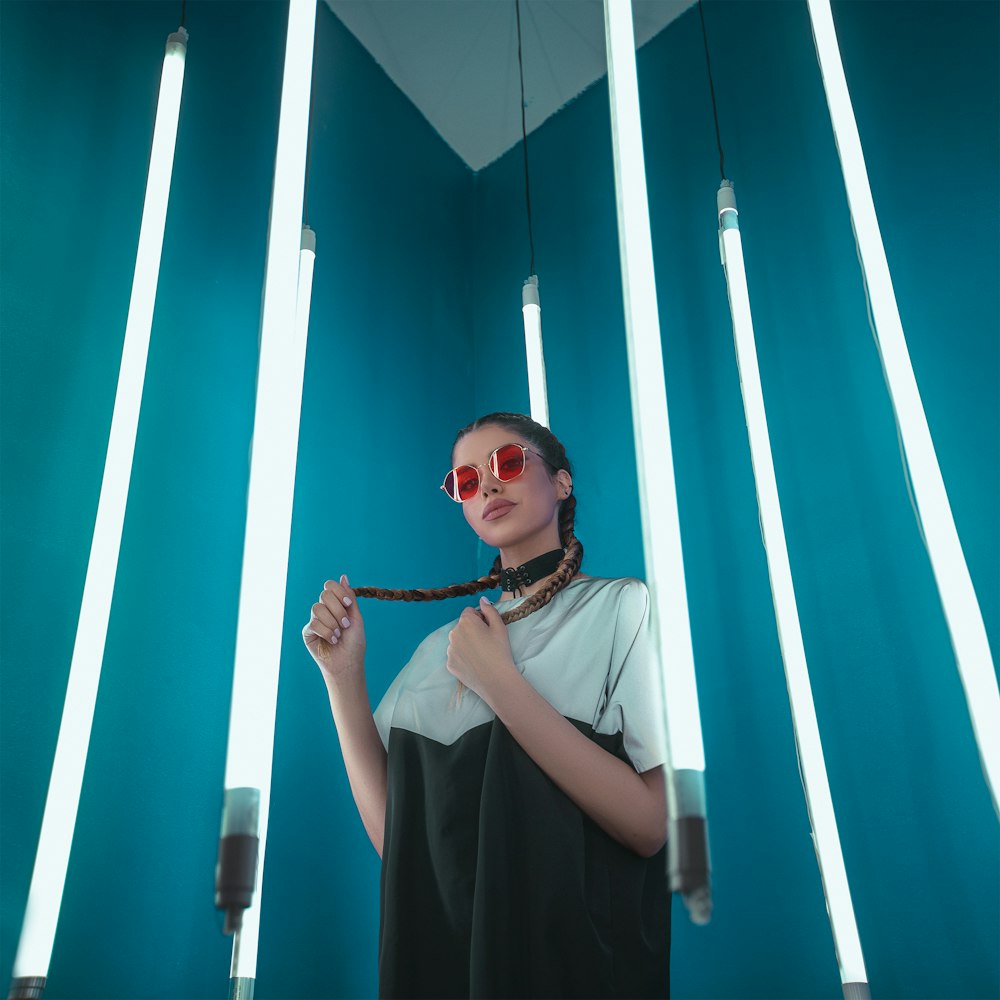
(614, 584)
(608, 589)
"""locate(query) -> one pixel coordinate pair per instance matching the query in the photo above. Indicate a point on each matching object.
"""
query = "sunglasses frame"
(490, 462)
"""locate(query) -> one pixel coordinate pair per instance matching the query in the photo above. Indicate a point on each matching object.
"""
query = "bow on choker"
(541, 566)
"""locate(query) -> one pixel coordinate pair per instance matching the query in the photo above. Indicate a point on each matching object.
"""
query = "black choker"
(534, 569)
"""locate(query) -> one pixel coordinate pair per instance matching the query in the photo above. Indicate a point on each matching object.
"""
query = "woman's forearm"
(364, 754)
(628, 806)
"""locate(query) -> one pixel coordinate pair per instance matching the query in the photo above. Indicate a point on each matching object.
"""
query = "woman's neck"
(520, 554)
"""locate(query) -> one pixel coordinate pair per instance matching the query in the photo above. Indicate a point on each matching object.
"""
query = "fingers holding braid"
(335, 632)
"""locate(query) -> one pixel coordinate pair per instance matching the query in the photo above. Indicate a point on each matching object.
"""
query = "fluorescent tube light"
(531, 309)
(819, 801)
(59, 819)
(272, 466)
(951, 573)
(657, 493)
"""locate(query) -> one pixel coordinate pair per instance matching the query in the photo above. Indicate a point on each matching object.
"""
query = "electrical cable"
(524, 138)
(711, 89)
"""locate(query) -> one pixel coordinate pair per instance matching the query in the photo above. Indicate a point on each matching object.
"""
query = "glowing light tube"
(958, 598)
(812, 766)
(658, 499)
(531, 309)
(272, 470)
(48, 877)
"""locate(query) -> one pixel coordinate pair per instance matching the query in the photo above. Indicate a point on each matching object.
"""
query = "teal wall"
(918, 831)
(415, 328)
(387, 384)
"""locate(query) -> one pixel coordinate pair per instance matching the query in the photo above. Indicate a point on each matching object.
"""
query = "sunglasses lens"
(462, 483)
(507, 462)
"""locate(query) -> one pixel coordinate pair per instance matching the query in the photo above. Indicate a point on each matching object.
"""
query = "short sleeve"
(633, 704)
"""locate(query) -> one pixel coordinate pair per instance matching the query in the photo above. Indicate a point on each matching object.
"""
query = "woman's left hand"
(479, 650)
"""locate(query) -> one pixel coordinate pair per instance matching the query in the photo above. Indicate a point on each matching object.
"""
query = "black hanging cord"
(183, 11)
(524, 138)
(711, 87)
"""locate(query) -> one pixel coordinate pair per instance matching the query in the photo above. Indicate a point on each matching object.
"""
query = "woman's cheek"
(473, 524)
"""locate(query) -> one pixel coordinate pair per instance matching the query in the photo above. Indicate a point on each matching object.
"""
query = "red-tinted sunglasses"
(506, 463)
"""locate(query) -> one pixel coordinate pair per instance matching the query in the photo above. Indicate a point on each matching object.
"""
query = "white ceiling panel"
(456, 60)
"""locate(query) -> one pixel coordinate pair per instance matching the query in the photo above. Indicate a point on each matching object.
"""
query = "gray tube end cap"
(727, 197)
(529, 293)
(178, 40)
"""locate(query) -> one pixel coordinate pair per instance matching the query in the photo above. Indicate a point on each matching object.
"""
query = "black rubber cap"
(27, 988)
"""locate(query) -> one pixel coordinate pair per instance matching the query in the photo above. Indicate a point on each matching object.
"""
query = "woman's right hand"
(335, 634)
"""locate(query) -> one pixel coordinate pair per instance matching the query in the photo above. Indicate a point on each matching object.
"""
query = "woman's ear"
(565, 484)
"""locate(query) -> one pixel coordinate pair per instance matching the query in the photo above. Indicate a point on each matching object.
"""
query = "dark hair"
(554, 455)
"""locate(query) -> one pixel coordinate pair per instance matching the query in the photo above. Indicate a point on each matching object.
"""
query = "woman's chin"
(493, 538)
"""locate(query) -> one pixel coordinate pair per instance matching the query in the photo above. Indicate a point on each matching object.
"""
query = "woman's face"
(518, 515)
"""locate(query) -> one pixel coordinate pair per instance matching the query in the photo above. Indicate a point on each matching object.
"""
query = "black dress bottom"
(495, 884)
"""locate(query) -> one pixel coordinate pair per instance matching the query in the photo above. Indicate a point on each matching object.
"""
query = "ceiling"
(456, 60)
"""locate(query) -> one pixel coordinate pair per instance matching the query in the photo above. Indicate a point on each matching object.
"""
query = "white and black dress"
(494, 883)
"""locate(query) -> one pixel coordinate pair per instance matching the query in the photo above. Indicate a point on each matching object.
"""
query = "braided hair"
(554, 455)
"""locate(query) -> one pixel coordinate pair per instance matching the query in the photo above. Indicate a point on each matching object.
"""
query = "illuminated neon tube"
(809, 748)
(34, 951)
(531, 310)
(284, 322)
(951, 573)
(661, 535)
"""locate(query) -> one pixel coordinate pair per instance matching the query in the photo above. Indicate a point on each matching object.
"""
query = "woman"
(511, 778)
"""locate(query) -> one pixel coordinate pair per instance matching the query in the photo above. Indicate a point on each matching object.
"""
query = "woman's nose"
(489, 483)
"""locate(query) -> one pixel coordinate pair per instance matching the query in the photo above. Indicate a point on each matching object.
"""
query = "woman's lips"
(498, 512)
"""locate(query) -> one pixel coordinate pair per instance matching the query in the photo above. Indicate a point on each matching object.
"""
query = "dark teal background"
(416, 329)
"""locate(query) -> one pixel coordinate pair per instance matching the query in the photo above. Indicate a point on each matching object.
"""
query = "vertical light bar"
(48, 877)
(812, 766)
(958, 597)
(531, 309)
(272, 473)
(688, 840)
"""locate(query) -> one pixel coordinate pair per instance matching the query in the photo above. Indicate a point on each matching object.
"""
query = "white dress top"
(588, 652)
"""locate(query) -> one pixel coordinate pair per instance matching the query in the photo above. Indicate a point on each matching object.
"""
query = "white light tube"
(658, 498)
(531, 309)
(272, 464)
(812, 766)
(958, 597)
(48, 877)
(661, 535)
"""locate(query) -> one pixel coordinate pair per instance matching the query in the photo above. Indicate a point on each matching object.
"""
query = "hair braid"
(568, 567)
(488, 582)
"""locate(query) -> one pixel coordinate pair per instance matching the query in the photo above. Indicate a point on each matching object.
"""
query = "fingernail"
(347, 582)
(485, 600)
(346, 622)
(347, 602)
(336, 632)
